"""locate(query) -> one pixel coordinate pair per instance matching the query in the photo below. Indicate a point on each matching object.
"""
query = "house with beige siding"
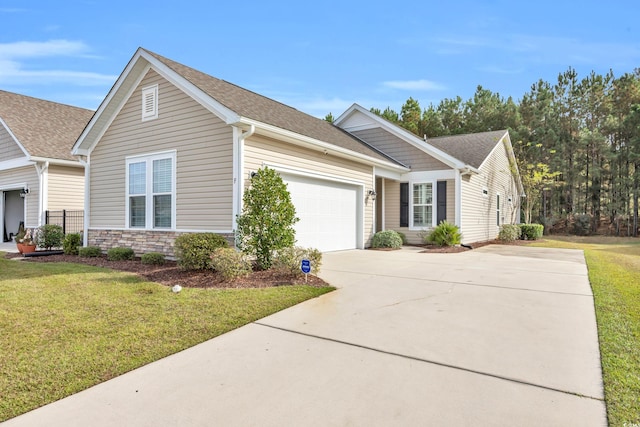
(37, 171)
(468, 180)
(171, 150)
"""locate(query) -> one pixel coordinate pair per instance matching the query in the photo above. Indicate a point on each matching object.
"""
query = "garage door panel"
(328, 213)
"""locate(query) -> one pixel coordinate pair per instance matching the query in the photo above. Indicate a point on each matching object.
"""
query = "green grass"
(614, 273)
(65, 327)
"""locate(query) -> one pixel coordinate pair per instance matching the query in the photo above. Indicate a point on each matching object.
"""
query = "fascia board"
(58, 162)
(227, 115)
(295, 138)
(404, 135)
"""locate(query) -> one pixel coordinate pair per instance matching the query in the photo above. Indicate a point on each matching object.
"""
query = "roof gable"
(359, 118)
(42, 128)
(233, 104)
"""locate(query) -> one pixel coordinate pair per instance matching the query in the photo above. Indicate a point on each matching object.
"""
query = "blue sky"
(318, 57)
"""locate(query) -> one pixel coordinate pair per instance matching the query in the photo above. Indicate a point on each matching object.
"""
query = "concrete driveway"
(500, 335)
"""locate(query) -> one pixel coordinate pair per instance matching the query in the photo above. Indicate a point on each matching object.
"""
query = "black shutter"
(442, 202)
(404, 204)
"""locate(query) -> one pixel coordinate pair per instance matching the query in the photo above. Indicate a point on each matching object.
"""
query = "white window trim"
(499, 202)
(153, 92)
(148, 159)
(434, 196)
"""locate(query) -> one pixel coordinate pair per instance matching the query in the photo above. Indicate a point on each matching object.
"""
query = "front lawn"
(66, 327)
(614, 273)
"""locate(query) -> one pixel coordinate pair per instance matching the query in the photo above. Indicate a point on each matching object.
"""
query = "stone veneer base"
(141, 241)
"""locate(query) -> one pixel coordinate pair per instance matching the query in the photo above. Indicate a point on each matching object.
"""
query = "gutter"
(85, 228)
(57, 162)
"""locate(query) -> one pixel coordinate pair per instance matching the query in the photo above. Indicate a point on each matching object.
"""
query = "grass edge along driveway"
(614, 274)
(66, 327)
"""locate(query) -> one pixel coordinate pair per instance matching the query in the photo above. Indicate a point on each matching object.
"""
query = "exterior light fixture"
(24, 192)
(372, 194)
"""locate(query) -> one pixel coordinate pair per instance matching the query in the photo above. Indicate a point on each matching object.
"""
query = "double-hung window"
(423, 204)
(151, 191)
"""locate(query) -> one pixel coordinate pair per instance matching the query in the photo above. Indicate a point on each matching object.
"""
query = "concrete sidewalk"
(494, 336)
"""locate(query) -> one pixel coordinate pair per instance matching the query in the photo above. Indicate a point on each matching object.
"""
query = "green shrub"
(445, 234)
(386, 239)
(290, 259)
(90, 252)
(193, 251)
(582, 224)
(71, 243)
(509, 232)
(531, 231)
(153, 258)
(230, 263)
(267, 219)
(403, 237)
(50, 236)
(120, 254)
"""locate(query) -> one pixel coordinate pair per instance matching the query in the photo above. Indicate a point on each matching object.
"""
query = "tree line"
(576, 140)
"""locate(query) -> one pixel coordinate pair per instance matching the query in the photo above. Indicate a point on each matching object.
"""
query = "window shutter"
(404, 204)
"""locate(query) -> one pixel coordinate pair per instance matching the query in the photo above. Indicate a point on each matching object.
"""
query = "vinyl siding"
(8, 147)
(260, 150)
(28, 175)
(400, 150)
(479, 212)
(66, 188)
(204, 171)
(392, 209)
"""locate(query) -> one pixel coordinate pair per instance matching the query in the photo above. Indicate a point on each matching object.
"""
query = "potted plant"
(25, 241)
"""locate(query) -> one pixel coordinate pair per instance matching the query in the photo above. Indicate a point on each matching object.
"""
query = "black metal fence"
(70, 221)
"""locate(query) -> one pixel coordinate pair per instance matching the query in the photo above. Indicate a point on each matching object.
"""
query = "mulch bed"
(170, 274)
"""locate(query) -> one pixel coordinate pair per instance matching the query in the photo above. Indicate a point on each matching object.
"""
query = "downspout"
(85, 228)
(43, 183)
(239, 178)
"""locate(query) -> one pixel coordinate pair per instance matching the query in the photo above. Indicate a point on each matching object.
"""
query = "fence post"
(46, 217)
(64, 222)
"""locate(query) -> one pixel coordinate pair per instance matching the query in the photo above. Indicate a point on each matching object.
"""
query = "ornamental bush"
(445, 234)
(50, 236)
(267, 219)
(531, 231)
(509, 232)
(193, 251)
(120, 254)
(289, 259)
(230, 263)
(71, 243)
(90, 252)
(386, 239)
(153, 258)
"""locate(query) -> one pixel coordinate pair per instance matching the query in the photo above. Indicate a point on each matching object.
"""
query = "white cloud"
(414, 85)
(24, 49)
(14, 60)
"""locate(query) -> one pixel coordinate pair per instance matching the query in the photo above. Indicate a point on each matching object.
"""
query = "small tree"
(267, 219)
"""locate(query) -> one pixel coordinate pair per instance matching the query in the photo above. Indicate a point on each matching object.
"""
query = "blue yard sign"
(305, 266)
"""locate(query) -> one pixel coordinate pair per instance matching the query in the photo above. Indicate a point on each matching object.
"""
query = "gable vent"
(150, 102)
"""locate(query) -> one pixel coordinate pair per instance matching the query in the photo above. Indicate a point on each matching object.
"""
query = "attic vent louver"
(150, 102)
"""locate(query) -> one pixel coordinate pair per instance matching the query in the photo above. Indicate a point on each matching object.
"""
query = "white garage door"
(328, 213)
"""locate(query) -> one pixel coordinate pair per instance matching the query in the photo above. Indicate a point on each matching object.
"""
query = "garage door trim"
(360, 186)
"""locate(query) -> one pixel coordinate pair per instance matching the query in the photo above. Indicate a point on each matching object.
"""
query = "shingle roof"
(251, 105)
(44, 128)
(472, 148)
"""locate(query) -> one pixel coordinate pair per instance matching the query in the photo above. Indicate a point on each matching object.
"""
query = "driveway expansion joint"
(433, 362)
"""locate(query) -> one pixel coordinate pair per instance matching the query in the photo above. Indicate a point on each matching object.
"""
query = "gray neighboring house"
(37, 171)
(171, 150)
